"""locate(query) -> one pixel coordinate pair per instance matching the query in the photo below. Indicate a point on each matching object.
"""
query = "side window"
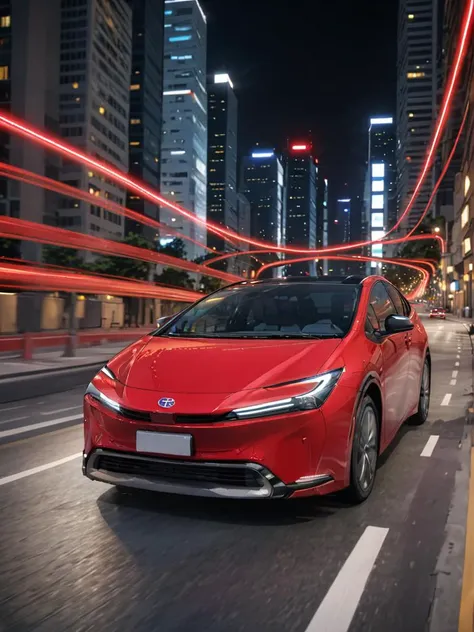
(381, 304)
(396, 299)
(406, 306)
(371, 323)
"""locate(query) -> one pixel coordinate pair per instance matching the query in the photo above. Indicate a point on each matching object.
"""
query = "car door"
(414, 349)
(395, 362)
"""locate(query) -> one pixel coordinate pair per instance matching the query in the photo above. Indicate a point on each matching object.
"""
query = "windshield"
(286, 310)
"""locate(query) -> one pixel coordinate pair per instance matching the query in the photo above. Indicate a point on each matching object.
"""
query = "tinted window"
(271, 310)
(396, 299)
(382, 304)
(371, 324)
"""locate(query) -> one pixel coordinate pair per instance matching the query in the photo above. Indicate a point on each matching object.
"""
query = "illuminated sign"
(387, 120)
(263, 154)
(223, 77)
(300, 147)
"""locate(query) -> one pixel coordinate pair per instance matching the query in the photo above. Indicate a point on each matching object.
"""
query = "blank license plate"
(164, 443)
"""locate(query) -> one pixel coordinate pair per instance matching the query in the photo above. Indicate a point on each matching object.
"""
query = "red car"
(438, 313)
(269, 389)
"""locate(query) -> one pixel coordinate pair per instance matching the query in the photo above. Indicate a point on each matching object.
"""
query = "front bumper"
(191, 478)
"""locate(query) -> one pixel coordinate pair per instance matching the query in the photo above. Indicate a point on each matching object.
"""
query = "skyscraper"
(184, 139)
(263, 185)
(416, 99)
(379, 196)
(301, 195)
(96, 42)
(146, 97)
(222, 157)
(343, 214)
(322, 219)
(29, 69)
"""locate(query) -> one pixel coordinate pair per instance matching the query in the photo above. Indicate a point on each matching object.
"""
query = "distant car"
(267, 389)
(438, 313)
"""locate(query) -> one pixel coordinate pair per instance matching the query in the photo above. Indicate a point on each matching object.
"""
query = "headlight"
(322, 387)
(94, 392)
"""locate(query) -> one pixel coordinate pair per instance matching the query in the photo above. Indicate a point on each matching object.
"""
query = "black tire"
(365, 452)
(421, 414)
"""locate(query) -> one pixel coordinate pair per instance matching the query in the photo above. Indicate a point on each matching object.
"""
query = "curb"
(41, 372)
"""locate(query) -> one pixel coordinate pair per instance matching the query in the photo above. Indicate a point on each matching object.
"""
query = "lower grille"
(178, 472)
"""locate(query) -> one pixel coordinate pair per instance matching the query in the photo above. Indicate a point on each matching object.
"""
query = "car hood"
(219, 366)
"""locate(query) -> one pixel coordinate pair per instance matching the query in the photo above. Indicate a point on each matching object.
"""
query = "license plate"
(164, 443)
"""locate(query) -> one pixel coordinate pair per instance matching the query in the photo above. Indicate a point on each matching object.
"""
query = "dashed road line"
(42, 424)
(9, 421)
(5, 410)
(453, 383)
(60, 410)
(446, 399)
(430, 446)
(335, 614)
(456, 364)
(455, 374)
(36, 470)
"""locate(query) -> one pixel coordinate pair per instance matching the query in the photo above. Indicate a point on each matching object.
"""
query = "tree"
(209, 284)
(171, 276)
(10, 248)
(59, 256)
(124, 266)
(175, 248)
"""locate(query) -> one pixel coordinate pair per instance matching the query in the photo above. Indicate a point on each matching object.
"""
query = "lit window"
(5, 21)
(75, 85)
(377, 201)
(411, 115)
(135, 86)
(467, 185)
(466, 245)
(411, 16)
(465, 216)
(415, 75)
(378, 170)
(377, 186)
(180, 38)
(4, 73)
(101, 110)
(377, 220)
(134, 143)
(135, 121)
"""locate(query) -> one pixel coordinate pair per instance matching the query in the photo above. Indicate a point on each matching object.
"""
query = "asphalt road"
(77, 555)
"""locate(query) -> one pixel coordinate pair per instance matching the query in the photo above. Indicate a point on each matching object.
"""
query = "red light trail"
(31, 278)
(19, 127)
(13, 228)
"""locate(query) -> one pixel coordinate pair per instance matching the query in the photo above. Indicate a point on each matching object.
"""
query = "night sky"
(319, 65)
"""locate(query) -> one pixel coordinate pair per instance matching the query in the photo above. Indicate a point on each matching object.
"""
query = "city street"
(79, 555)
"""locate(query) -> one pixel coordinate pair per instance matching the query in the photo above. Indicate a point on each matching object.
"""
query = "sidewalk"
(45, 362)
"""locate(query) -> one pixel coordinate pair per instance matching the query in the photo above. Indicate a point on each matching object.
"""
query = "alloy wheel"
(425, 391)
(367, 449)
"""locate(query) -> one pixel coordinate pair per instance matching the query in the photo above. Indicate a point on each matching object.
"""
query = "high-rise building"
(343, 214)
(29, 69)
(222, 158)
(263, 184)
(184, 139)
(416, 99)
(322, 219)
(380, 184)
(96, 43)
(301, 195)
(146, 97)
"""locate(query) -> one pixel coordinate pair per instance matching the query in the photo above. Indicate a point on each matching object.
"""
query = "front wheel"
(365, 451)
(421, 414)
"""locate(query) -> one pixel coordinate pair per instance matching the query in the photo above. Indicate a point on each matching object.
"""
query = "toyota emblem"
(166, 402)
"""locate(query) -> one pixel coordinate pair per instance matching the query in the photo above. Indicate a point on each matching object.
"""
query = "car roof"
(324, 280)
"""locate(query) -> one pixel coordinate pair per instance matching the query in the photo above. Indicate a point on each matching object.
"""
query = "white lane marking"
(9, 421)
(446, 399)
(430, 445)
(338, 607)
(61, 410)
(41, 424)
(4, 410)
(455, 373)
(458, 357)
(449, 336)
(456, 364)
(452, 383)
(36, 470)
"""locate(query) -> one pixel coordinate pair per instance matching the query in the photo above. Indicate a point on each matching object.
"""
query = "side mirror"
(397, 324)
(162, 321)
